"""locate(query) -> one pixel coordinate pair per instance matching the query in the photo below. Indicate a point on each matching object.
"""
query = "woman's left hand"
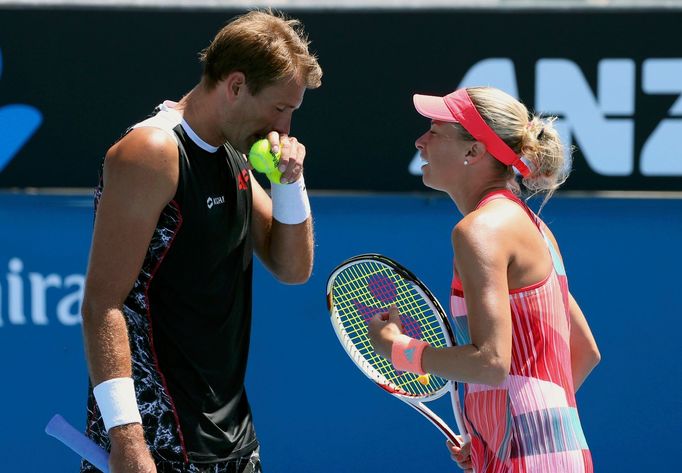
(383, 329)
(461, 455)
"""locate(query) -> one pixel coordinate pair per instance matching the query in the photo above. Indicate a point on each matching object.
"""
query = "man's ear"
(235, 85)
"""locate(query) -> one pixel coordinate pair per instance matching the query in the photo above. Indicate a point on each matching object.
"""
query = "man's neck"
(199, 109)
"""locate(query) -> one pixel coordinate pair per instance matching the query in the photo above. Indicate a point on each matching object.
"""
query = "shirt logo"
(243, 179)
(211, 201)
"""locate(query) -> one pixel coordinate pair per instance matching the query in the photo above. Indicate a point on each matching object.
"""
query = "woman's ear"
(475, 152)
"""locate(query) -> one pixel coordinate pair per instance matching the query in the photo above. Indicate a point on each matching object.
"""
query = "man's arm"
(140, 178)
(285, 249)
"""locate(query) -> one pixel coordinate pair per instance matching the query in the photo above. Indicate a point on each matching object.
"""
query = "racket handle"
(457, 409)
(60, 429)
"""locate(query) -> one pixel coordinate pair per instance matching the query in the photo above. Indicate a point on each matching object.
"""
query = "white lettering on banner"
(603, 126)
(661, 152)
(492, 72)
(15, 293)
(606, 143)
(67, 308)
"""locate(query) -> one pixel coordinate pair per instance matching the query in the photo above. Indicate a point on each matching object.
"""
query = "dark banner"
(71, 81)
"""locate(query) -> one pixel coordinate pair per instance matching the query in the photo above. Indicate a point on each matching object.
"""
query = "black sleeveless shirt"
(189, 313)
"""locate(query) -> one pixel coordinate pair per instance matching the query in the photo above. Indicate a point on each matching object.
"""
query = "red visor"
(457, 107)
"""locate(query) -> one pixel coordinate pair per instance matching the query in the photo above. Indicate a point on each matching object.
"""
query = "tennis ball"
(275, 176)
(261, 157)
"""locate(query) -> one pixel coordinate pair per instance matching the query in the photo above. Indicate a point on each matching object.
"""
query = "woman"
(524, 346)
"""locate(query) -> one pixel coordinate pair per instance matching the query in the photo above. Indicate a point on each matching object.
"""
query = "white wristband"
(290, 203)
(117, 403)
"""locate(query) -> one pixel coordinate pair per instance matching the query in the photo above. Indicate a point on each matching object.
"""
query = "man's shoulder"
(164, 118)
(146, 146)
(145, 159)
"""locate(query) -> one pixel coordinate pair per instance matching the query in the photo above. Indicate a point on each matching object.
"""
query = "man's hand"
(293, 155)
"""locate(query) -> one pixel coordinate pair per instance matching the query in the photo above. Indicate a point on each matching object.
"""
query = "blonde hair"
(531, 136)
(266, 47)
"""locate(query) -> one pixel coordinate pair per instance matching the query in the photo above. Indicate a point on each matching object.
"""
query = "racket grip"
(60, 429)
(458, 419)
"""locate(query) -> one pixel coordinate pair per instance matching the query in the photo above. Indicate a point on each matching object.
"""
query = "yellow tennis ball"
(262, 159)
(275, 176)
(424, 379)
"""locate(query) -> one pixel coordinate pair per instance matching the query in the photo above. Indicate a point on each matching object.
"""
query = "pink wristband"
(406, 354)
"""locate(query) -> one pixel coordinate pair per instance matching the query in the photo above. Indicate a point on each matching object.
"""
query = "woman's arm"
(584, 351)
(482, 267)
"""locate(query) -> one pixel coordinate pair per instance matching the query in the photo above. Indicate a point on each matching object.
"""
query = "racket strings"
(364, 289)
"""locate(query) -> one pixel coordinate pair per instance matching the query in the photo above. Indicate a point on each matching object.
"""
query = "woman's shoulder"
(496, 215)
(500, 226)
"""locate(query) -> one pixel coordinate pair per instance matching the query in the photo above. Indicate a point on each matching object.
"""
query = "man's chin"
(245, 147)
(241, 147)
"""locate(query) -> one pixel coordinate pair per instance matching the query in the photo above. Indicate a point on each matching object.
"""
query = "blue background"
(313, 410)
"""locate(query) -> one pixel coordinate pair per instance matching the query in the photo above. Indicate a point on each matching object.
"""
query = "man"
(167, 307)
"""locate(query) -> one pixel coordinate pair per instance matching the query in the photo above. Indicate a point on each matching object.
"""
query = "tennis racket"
(59, 428)
(367, 284)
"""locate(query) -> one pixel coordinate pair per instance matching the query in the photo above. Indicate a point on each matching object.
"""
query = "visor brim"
(433, 107)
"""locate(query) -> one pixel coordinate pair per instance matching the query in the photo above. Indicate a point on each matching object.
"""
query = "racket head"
(367, 284)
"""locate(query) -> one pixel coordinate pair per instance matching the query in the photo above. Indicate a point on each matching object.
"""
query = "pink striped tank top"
(529, 423)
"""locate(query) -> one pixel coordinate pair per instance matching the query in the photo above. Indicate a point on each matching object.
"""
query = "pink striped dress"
(529, 423)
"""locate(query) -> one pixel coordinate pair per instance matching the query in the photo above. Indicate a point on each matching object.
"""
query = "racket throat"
(437, 421)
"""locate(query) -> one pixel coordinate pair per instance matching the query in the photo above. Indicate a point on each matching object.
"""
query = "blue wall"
(313, 410)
